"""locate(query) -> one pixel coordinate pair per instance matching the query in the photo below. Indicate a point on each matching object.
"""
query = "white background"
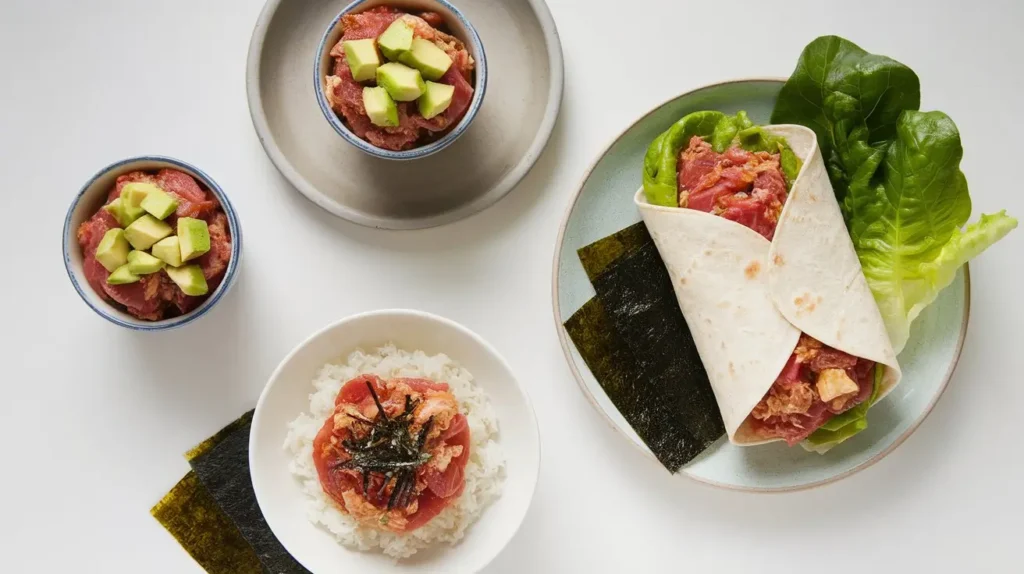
(94, 419)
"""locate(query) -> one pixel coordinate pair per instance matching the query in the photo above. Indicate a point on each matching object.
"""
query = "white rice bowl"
(485, 470)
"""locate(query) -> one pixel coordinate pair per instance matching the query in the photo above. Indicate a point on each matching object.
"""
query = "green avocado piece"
(124, 215)
(142, 263)
(122, 276)
(396, 40)
(362, 58)
(168, 250)
(145, 231)
(112, 252)
(189, 278)
(193, 237)
(159, 204)
(380, 107)
(405, 84)
(426, 57)
(435, 99)
(134, 192)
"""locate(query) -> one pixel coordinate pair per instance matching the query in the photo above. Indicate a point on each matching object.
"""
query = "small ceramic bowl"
(92, 197)
(459, 26)
(287, 394)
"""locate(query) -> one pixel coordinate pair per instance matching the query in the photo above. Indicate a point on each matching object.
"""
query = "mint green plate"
(603, 205)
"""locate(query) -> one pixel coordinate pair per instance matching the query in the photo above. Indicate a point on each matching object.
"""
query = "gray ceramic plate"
(524, 92)
(603, 205)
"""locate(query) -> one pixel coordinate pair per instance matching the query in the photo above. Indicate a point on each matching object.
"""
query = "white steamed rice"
(485, 470)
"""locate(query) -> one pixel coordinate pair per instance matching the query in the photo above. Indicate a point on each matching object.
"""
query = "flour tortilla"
(746, 300)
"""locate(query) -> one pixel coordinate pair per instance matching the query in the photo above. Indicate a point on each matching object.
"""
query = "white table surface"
(94, 419)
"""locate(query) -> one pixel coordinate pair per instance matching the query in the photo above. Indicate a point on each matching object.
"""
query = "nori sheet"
(636, 343)
(193, 518)
(223, 468)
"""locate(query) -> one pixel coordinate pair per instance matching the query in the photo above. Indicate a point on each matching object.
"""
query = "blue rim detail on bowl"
(229, 273)
(480, 89)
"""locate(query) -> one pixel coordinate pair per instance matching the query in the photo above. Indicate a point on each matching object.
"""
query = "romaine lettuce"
(895, 170)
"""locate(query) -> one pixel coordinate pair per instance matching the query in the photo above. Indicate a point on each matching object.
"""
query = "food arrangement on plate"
(778, 268)
(158, 246)
(399, 451)
(399, 80)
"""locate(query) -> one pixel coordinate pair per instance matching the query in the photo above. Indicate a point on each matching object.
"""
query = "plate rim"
(533, 428)
(567, 353)
(504, 186)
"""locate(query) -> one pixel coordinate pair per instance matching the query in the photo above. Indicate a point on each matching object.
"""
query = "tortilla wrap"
(746, 300)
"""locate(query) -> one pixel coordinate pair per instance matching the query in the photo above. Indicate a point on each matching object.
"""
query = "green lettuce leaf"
(896, 173)
(661, 162)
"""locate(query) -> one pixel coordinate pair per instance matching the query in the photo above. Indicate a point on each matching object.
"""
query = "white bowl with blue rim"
(459, 26)
(92, 197)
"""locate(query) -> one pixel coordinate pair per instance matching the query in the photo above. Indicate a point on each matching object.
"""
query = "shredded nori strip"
(193, 518)
(636, 343)
(224, 470)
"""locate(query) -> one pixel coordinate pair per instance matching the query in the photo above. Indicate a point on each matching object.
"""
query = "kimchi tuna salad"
(159, 245)
(399, 451)
(399, 80)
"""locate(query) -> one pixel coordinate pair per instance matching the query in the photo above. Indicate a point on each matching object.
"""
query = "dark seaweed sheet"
(223, 469)
(193, 518)
(636, 343)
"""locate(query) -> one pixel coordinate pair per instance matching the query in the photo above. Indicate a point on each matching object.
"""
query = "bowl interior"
(93, 196)
(287, 395)
(459, 27)
(604, 205)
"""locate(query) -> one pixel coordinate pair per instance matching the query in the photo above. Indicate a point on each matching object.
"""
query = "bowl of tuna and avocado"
(151, 243)
(400, 80)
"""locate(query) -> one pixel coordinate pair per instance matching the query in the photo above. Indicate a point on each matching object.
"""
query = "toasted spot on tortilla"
(778, 260)
(805, 303)
(752, 270)
(732, 369)
(707, 252)
(682, 280)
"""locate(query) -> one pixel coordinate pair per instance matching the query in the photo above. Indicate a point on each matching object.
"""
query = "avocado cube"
(396, 40)
(189, 279)
(112, 252)
(123, 214)
(193, 237)
(142, 263)
(159, 204)
(403, 83)
(435, 99)
(362, 58)
(168, 250)
(426, 57)
(145, 231)
(122, 276)
(134, 192)
(380, 107)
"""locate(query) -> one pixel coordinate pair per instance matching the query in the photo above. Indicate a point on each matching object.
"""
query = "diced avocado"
(159, 204)
(405, 84)
(142, 263)
(435, 99)
(189, 278)
(396, 40)
(112, 252)
(146, 231)
(426, 57)
(168, 250)
(134, 192)
(124, 215)
(122, 276)
(380, 107)
(193, 237)
(362, 58)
